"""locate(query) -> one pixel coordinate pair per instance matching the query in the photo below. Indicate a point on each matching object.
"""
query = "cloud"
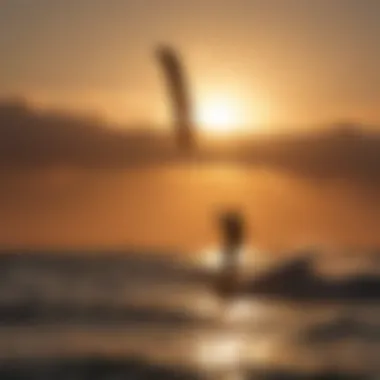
(342, 152)
(32, 138)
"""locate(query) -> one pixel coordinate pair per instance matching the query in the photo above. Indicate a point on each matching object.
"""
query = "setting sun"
(221, 115)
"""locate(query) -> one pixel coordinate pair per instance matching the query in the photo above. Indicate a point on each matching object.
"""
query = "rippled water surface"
(164, 310)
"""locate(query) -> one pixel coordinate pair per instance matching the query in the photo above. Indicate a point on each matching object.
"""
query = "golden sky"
(275, 61)
(176, 209)
(272, 63)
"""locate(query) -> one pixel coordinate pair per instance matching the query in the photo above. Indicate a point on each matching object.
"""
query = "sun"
(221, 115)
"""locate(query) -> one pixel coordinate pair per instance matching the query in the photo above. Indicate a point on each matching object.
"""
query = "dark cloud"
(342, 152)
(31, 138)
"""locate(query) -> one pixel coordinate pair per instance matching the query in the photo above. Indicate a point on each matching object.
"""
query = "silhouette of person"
(232, 229)
(232, 226)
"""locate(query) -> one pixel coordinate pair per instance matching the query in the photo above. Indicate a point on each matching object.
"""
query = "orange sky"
(284, 62)
(176, 209)
(272, 63)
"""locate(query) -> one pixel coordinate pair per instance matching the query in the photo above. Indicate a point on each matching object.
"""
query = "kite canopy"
(179, 96)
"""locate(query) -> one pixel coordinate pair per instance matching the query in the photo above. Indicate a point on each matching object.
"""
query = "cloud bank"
(32, 139)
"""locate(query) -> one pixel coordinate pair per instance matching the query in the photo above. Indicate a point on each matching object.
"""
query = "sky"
(71, 182)
(281, 61)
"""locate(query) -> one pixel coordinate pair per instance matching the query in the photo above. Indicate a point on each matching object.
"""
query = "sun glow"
(221, 115)
(224, 351)
(212, 259)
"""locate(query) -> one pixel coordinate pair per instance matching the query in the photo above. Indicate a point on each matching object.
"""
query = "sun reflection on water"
(239, 310)
(224, 351)
(212, 258)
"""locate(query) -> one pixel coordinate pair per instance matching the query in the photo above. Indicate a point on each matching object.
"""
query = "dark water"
(108, 315)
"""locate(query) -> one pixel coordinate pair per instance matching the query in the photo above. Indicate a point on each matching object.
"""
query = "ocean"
(132, 315)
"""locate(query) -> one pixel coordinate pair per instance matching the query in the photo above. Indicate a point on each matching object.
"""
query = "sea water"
(162, 308)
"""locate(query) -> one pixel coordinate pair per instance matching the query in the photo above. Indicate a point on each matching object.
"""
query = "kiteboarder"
(232, 230)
